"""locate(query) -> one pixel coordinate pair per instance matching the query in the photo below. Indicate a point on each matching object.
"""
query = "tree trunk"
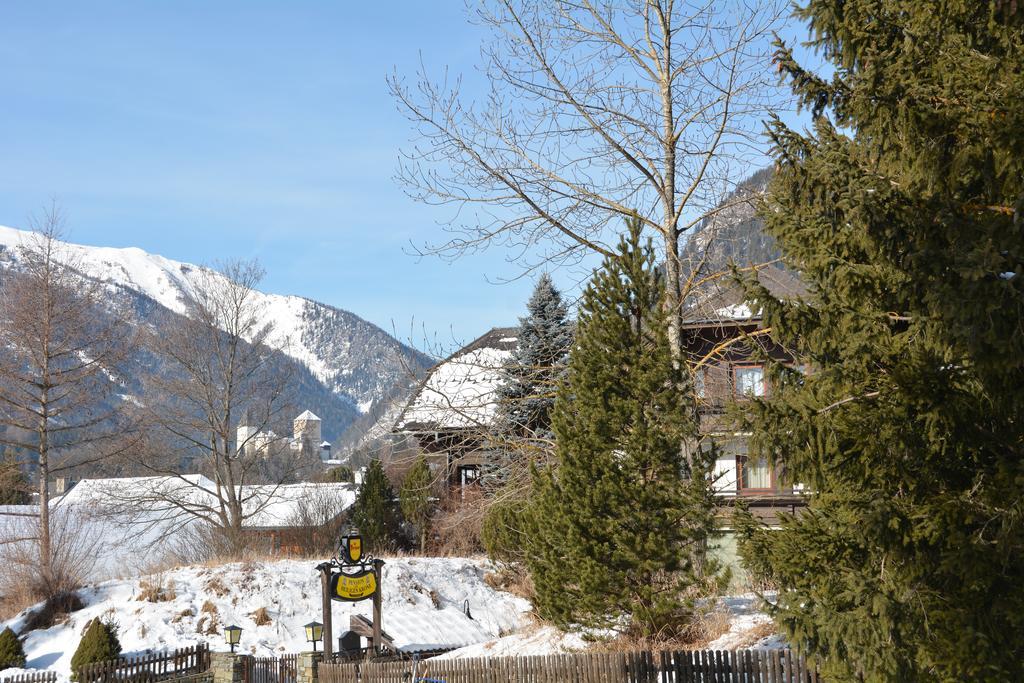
(45, 559)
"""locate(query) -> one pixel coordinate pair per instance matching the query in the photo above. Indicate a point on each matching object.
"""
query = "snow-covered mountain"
(357, 363)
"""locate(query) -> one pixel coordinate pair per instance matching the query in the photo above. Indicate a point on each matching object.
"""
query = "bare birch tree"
(598, 110)
(215, 371)
(63, 343)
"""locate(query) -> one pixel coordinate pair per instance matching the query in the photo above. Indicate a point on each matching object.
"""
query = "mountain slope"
(349, 365)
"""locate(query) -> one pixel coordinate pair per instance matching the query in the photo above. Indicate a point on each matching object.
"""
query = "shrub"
(99, 644)
(11, 653)
(52, 610)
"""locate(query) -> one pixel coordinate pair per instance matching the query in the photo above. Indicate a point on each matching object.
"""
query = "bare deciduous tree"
(597, 110)
(216, 370)
(63, 344)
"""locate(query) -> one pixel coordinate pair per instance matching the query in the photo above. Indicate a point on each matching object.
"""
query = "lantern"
(314, 632)
(232, 634)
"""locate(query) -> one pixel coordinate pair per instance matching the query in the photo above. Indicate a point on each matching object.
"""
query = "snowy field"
(424, 608)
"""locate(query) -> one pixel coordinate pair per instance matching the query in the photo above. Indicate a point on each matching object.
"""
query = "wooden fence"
(146, 668)
(283, 669)
(34, 677)
(696, 666)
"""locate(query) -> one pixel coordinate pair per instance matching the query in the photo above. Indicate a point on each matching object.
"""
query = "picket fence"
(689, 666)
(147, 668)
(34, 677)
(282, 669)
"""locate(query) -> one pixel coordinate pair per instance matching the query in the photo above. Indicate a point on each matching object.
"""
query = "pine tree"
(902, 211)
(617, 527)
(375, 513)
(538, 363)
(12, 655)
(99, 644)
(415, 499)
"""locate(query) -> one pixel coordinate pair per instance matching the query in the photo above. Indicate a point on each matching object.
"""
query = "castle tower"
(244, 434)
(306, 432)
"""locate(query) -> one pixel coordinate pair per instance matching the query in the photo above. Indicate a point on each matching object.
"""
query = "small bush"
(12, 655)
(52, 611)
(99, 644)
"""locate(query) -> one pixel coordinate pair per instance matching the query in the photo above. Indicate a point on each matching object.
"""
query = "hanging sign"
(353, 587)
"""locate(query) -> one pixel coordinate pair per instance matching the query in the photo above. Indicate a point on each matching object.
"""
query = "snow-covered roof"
(721, 300)
(325, 444)
(445, 629)
(460, 392)
(308, 416)
(282, 506)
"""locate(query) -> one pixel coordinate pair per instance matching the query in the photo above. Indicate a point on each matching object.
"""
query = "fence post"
(307, 665)
(228, 667)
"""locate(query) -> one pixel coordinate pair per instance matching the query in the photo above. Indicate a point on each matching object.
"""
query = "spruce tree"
(618, 525)
(415, 499)
(902, 211)
(99, 644)
(375, 512)
(525, 400)
(531, 377)
(12, 655)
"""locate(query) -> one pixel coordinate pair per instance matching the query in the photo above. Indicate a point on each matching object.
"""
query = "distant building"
(306, 439)
(453, 409)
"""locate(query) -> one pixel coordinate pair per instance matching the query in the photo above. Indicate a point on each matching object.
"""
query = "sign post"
(351, 578)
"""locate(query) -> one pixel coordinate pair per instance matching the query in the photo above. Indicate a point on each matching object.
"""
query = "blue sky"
(209, 130)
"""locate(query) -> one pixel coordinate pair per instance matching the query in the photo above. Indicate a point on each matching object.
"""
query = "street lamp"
(314, 632)
(232, 634)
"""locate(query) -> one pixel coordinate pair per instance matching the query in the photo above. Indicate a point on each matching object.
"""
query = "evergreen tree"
(14, 486)
(12, 655)
(375, 513)
(618, 527)
(99, 644)
(525, 401)
(538, 363)
(902, 210)
(416, 500)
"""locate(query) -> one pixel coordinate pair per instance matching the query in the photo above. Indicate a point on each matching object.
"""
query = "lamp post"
(232, 634)
(314, 632)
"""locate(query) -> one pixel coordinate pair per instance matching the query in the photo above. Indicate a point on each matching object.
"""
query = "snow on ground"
(423, 607)
(533, 640)
(424, 604)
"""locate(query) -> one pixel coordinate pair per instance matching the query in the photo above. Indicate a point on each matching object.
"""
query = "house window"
(755, 474)
(749, 380)
(698, 383)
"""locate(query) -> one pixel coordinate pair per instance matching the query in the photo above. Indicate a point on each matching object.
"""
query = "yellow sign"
(353, 587)
(355, 548)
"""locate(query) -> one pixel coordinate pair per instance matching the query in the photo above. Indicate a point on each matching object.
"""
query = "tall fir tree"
(375, 512)
(527, 395)
(617, 524)
(902, 211)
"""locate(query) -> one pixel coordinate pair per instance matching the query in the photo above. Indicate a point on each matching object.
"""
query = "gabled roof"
(308, 416)
(459, 392)
(722, 301)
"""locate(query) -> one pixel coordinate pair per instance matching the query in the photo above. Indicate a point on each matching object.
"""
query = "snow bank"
(423, 607)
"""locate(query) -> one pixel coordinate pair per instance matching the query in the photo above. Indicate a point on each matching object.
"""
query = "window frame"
(741, 465)
(736, 367)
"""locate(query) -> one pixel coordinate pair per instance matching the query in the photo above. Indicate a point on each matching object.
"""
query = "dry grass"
(512, 579)
(155, 590)
(260, 617)
(208, 608)
(216, 586)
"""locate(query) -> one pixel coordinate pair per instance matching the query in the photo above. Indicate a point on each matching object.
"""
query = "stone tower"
(244, 434)
(306, 432)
